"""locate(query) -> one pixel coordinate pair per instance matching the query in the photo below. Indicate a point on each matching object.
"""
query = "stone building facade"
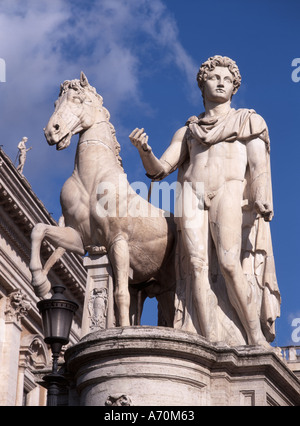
(23, 353)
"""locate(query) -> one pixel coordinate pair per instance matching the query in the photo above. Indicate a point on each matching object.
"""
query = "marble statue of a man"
(22, 153)
(227, 150)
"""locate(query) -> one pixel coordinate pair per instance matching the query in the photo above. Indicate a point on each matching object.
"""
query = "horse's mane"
(77, 85)
(113, 132)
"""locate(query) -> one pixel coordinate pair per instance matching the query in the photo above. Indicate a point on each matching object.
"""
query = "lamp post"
(57, 315)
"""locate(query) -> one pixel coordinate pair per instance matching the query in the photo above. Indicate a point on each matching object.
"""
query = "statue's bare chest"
(214, 164)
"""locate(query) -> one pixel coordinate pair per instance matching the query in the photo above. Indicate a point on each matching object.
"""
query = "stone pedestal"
(98, 310)
(157, 366)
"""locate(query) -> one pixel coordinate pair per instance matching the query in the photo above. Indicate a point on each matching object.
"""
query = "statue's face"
(218, 86)
(74, 112)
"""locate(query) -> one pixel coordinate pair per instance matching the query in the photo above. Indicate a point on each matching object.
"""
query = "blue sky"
(142, 56)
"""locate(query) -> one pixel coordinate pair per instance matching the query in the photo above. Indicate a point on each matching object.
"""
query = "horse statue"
(139, 242)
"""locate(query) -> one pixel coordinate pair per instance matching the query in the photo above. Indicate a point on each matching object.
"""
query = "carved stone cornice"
(15, 211)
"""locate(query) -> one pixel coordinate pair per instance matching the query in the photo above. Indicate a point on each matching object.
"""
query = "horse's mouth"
(64, 142)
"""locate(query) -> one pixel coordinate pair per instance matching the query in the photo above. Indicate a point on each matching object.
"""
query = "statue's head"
(75, 111)
(219, 61)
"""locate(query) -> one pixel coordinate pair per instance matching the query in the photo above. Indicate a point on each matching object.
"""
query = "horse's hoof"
(40, 284)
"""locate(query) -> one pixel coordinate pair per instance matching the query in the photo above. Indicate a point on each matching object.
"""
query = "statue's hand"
(264, 209)
(140, 139)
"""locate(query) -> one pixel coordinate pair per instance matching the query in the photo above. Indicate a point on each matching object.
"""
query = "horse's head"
(75, 110)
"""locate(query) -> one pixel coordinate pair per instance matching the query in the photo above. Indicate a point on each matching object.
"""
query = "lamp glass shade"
(57, 315)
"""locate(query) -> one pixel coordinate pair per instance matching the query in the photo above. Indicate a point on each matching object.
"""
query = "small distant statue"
(22, 153)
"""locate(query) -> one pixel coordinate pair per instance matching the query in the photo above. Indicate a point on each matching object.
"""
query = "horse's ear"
(83, 80)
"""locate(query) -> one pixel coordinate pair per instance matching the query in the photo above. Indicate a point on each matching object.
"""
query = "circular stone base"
(157, 366)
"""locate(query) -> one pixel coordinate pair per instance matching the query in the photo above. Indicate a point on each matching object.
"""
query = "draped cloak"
(256, 250)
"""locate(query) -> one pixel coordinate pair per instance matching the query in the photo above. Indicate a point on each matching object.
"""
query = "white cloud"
(45, 42)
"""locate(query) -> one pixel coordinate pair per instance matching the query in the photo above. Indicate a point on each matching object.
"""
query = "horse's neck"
(100, 130)
(95, 156)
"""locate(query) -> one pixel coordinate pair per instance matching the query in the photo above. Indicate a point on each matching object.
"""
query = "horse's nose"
(56, 126)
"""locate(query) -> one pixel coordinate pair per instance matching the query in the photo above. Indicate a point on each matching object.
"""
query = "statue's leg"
(66, 238)
(119, 257)
(226, 230)
(195, 241)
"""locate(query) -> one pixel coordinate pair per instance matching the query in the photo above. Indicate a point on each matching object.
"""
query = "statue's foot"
(263, 343)
(40, 283)
(257, 338)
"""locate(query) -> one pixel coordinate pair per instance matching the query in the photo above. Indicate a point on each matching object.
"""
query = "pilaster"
(17, 306)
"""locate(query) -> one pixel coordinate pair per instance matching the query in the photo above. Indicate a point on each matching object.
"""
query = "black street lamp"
(57, 315)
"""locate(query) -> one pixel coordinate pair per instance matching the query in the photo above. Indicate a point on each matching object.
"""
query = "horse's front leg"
(67, 238)
(119, 257)
(39, 280)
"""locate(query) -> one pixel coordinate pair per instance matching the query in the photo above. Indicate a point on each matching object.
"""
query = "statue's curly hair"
(219, 61)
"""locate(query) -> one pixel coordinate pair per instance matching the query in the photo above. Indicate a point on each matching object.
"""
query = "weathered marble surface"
(226, 282)
(101, 212)
(157, 366)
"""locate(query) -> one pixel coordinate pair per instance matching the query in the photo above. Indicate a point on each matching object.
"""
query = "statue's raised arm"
(174, 155)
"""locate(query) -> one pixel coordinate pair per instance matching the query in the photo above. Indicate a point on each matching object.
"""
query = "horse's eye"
(77, 100)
